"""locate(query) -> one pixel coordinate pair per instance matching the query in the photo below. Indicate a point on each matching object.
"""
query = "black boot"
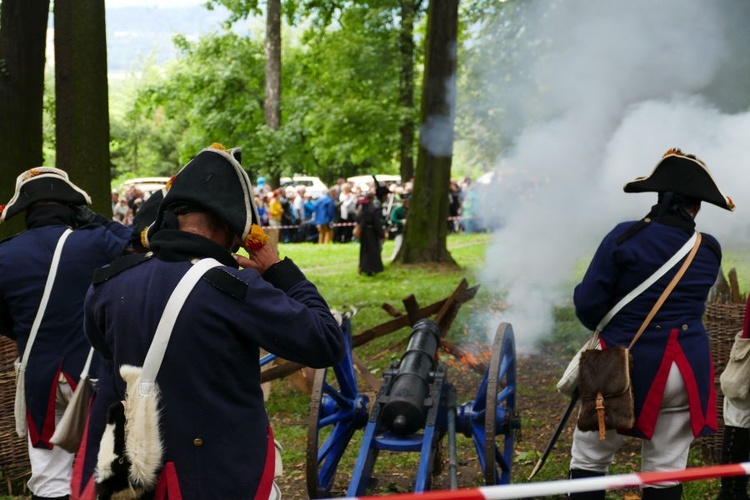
(735, 448)
(671, 493)
(588, 495)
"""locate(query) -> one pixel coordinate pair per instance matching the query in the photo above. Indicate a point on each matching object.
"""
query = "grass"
(334, 270)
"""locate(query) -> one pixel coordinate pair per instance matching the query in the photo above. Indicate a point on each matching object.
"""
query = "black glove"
(86, 216)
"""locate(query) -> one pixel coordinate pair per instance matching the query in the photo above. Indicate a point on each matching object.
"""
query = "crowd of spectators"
(125, 205)
(292, 215)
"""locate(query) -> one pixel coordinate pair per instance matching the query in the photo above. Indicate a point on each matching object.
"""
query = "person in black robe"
(369, 217)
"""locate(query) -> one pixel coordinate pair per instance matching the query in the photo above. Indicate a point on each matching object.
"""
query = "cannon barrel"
(404, 412)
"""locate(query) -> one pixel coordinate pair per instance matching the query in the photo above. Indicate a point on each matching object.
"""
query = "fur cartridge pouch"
(131, 450)
(605, 390)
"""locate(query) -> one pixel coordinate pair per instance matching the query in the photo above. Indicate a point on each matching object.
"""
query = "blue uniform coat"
(677, 332)
(214, 422)
(60, 345)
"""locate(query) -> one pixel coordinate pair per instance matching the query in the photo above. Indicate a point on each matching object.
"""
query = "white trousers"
(51, 470)
(668, 448)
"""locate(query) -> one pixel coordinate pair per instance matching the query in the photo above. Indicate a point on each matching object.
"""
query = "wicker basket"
(14, 455)
(723, 321)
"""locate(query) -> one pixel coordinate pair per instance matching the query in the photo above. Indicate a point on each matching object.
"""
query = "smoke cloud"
(608, 88)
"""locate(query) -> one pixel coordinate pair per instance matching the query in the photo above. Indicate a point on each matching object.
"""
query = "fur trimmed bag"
(131, 451)
(605, 389)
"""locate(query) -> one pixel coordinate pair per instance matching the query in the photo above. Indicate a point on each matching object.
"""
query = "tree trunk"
(406, 88)
(23, 34)
(82, 113)
(272, 104)
(427, 227)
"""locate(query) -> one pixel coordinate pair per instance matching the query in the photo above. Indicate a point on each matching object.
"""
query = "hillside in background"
(134, 32)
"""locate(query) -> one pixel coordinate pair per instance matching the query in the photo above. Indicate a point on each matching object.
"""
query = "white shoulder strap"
(45, 297)
(677, 257)
(159, 343)
(87, 364)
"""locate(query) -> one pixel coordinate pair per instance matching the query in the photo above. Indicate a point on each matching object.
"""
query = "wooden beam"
(458, 297)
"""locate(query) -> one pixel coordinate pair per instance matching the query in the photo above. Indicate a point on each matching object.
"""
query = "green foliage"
(212, 93)
(495, 43)
(240, 9)
(351, 74)
(740, 262)
(48, 121)
(140, 143)
(340, 90)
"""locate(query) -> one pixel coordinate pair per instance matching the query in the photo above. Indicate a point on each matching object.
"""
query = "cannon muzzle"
(405, 411)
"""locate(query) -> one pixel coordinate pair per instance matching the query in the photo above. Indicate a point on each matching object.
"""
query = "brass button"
(684, 328)
(198, 442)
(657, 328)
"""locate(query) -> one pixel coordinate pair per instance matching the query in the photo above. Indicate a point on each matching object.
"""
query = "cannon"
(404, 403)
(413, 410)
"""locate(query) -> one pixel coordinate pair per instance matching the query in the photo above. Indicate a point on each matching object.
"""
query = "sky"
(623, 83)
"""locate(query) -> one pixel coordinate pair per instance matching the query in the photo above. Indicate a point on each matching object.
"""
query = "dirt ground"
(540, 408)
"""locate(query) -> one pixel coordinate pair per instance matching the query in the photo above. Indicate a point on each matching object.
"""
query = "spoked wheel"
(496, 399)
(336, 411)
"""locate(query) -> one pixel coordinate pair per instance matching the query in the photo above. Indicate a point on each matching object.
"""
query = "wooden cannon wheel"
(494, 410)
(501, 395)
(335, 414)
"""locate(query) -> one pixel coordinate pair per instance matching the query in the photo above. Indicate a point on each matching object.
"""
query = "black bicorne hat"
(684, 174)
(380, 190)
(43, 183)
(215, 181)
(146, 215)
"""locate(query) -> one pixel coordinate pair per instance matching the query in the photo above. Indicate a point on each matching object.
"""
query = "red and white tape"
(343, 224)
(546, 488)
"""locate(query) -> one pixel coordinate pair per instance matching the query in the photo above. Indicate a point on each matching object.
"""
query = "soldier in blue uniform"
(673, 378)
(51, 204)
(216, 436)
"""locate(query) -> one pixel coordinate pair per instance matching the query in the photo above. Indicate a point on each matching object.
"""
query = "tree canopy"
(340, 108)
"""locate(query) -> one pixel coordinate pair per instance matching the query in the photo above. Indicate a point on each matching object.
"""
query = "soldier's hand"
(260, 259)
(85, 216)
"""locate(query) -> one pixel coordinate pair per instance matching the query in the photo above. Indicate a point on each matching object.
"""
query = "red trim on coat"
(697, 420)
(746, 323)
(76, 492)
(266, 479)
(168, 486)
(48, 427)
(652, 404)
(712, 413)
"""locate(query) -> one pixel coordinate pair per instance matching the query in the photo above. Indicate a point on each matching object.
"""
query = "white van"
(313, 185)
